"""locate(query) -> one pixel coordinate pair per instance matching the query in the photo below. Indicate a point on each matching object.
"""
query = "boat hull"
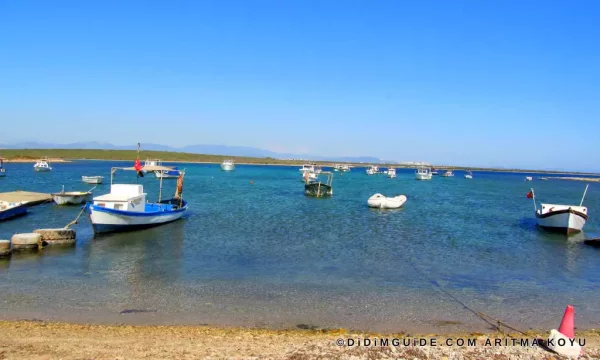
(62, 199)
(108, 220)
(13, 212)
(317, 189)
(42, 169)
(163, 175)
(379, 201)
(566, 221)
(92, 179)
(423, 176)
(227, 167)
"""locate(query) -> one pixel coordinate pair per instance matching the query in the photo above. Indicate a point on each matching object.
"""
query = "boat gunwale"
(90, 206)
(561, 211)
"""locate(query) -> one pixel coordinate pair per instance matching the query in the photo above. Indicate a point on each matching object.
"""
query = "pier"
(33, 198)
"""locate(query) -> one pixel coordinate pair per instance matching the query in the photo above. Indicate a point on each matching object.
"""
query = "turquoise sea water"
(263, 254)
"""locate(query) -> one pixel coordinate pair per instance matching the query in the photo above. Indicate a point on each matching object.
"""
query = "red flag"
(530, 195)
(137, 165)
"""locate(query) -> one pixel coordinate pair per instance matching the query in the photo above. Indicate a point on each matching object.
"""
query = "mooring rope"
(487, 318)
(77, 218)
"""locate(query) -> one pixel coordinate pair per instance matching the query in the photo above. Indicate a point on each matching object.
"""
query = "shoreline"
(356, 165)
(49, 340)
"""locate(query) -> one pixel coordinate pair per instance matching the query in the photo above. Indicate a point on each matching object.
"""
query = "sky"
(479, 83)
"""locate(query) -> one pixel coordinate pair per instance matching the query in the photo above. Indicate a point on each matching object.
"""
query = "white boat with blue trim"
(125, 207)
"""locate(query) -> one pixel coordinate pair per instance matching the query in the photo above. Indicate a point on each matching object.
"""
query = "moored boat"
(468, 175)
(9, 210)
(434, 172)
(42, 165)
(372, 170)
(92, 179)
(2, 170)
(125, 208)
(319, 189)
(345, 168)
(448, 173)
(423, 173)
(383, 202)
(71, 197)
(228, 165)
(391, 173)
(528, 178)
(568, 219)
(168, 173)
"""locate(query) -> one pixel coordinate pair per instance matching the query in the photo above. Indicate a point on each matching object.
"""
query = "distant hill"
(194, 149)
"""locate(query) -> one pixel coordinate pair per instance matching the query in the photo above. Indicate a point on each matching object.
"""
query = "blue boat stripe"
(138, 214)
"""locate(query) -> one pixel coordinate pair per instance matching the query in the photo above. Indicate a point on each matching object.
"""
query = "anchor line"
(486, 318)
(77, 218)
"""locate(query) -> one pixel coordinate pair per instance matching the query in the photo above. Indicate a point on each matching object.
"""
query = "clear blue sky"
(490, 83)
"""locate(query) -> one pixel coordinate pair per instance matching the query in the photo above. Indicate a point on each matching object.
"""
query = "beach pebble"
(57, 236)
(25, 241)
(5, 249)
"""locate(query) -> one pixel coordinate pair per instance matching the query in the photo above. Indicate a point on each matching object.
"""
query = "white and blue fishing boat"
(125, 208)
(9, 210)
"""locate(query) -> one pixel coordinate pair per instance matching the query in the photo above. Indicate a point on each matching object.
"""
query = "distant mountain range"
(194, 149)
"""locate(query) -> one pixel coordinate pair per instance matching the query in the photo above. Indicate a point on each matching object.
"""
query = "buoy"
(251, 182)
(5, 249)
(562, 341)
(25, 241)
(567, 325)
(57, 236)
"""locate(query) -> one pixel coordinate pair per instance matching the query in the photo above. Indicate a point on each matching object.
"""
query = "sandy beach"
(46, 340)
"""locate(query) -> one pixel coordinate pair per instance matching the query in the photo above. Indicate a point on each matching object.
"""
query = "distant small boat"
(423, 173)
(372, 170)
(42, 165)
(382, 202)
(567, 219)
(167, 174)
(228, 165)
(345, 168)
(448, 173)
(468, 175)
(2, 170)
(391, 173)
(92, 179)
(71, 197)
(337, 167)
(309, 176)
(528, 178)
(9, 210)
(318, 188)
(434, 172)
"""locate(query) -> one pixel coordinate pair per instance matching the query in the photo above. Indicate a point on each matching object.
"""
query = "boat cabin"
(125, 197)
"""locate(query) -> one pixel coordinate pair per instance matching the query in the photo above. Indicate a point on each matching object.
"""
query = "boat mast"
(160, 186)
(533, 196)
(586, 187)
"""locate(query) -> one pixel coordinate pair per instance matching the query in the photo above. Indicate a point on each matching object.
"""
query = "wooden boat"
(71, 197)
(125, 208)
(382, 202)
(228, 165)
(567, 219)
(92, 179)
(318, 188)
(42, 165)
(9, 210)
(423, 173)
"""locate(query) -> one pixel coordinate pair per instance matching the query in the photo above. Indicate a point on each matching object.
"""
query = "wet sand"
(49, 340)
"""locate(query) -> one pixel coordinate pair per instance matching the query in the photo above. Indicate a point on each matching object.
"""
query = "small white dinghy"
(71, 197)
(92, 179)
(382, 202)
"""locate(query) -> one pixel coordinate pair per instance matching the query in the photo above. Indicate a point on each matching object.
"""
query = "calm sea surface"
(263, 254)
